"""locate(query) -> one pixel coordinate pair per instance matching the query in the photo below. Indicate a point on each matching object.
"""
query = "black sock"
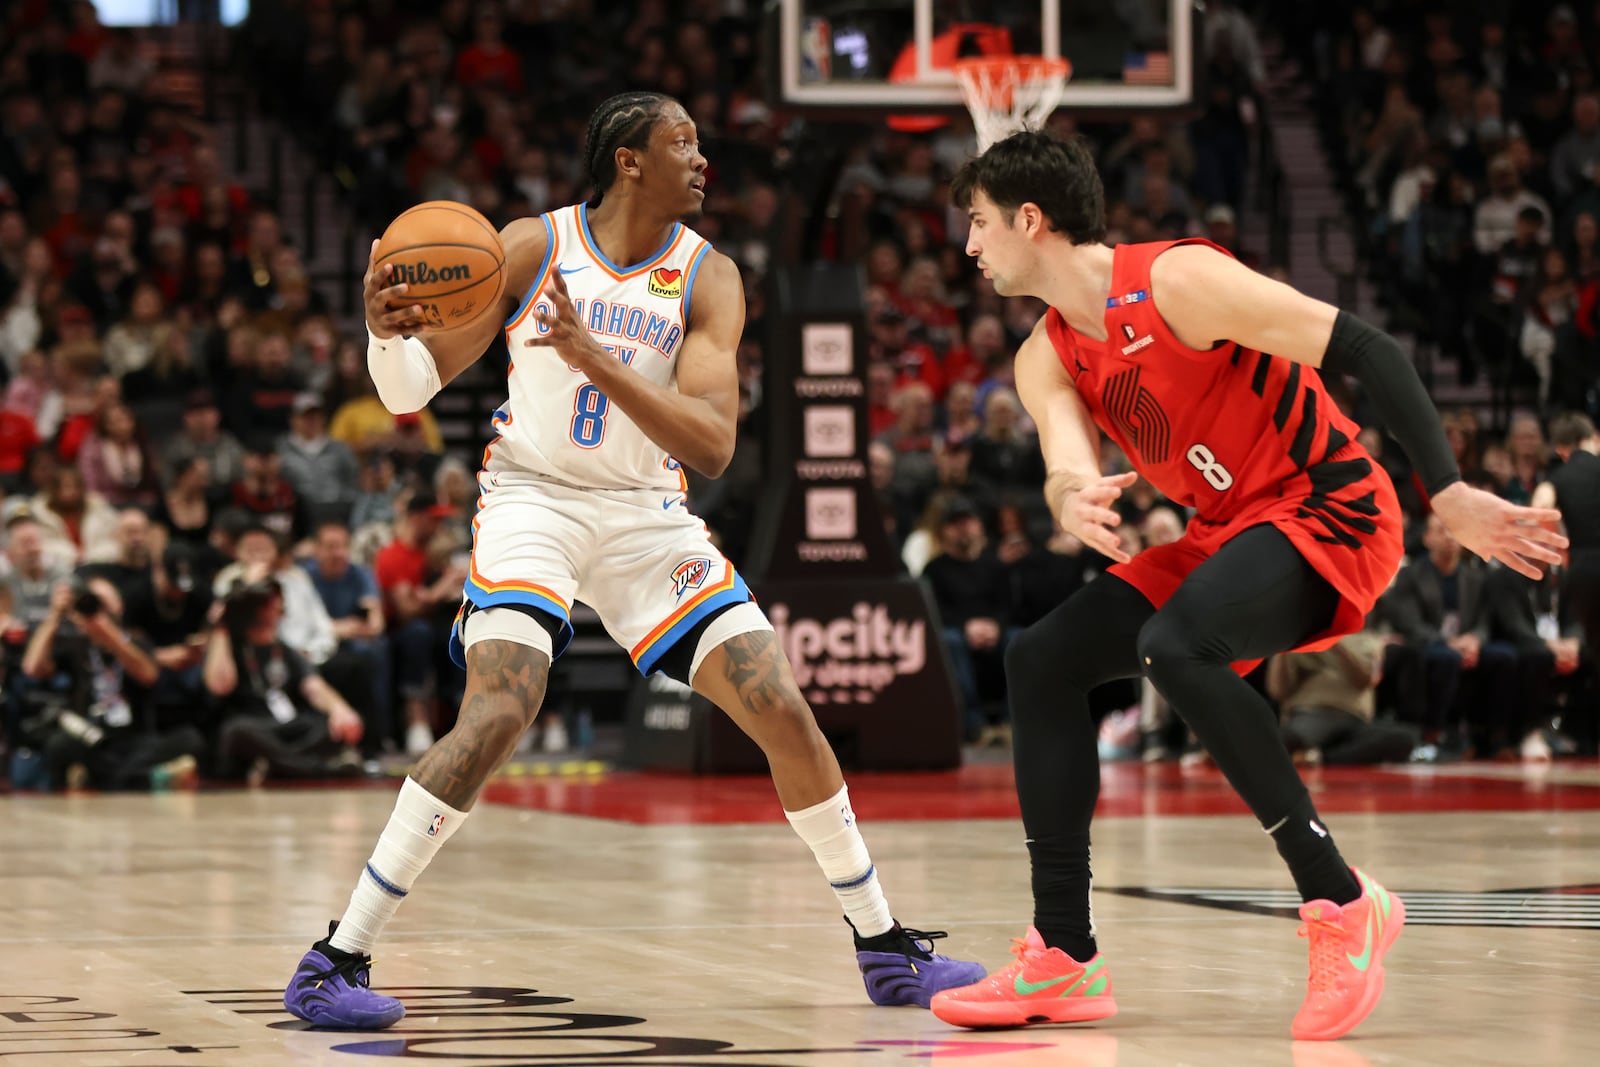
(1061, 894)
(1320, 873)
(893, 939)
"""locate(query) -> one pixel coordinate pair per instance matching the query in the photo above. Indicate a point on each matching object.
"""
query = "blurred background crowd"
(224, 557)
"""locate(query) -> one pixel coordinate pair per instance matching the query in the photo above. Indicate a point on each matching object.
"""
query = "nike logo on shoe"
(1027, 989)
(1364, 960)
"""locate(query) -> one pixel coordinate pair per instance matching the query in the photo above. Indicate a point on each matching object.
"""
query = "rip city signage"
(867, 657)
(854, 658)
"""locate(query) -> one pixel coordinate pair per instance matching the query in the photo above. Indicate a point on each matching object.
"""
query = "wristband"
(404, 372)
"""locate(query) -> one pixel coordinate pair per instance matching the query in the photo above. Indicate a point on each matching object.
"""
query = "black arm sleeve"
(1372, 358)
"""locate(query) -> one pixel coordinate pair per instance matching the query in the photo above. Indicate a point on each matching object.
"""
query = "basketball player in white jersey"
(622, 324)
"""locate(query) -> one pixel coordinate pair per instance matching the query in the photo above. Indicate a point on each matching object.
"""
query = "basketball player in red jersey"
(1204, 373)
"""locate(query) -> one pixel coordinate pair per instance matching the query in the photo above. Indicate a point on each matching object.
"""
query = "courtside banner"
(867, 656)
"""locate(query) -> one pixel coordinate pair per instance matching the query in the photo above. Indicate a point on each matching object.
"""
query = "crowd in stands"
(224, 555)
(1467, 142)
(190, 445)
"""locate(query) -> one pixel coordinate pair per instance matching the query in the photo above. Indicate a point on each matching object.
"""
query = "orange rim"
(1024, 66)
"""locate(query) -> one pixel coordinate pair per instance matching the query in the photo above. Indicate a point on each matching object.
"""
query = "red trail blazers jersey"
(1243, 437)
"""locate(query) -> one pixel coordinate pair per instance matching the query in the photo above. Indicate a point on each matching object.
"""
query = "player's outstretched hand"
(388, 313)
(1487, 526)
(1087, 514)
(565, 331)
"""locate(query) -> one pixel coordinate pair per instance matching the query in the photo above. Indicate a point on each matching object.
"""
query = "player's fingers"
(1102, 516)
(1528, 549)
(555, 290)
(1121, 481)
(405, 317)
(372, 253)
(1099, 495)
(1105, 542)
(1520, 565)
(1542, 534)
(1544, 516)
(377, 278)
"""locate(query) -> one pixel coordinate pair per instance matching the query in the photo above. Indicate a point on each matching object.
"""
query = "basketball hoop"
(1009, 93)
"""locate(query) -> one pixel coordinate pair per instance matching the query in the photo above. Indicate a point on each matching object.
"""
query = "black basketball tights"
(1256, 596)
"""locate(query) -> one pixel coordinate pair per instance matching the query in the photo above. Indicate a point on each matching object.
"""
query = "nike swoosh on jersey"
(571, 270)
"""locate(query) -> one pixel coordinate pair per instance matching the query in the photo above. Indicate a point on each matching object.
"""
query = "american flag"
(1147, 68)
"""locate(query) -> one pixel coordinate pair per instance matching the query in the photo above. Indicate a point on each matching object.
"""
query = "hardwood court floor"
(157, 930)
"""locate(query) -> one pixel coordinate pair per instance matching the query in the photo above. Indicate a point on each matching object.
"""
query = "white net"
(1009, 93)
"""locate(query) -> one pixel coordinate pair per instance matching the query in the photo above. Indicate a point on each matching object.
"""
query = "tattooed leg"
(748, 677)
(505, 684)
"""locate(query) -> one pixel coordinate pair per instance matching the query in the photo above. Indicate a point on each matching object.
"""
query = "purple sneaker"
(898, 969)
(330, 989)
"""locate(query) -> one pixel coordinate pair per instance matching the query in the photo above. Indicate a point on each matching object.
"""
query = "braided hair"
(623, 121)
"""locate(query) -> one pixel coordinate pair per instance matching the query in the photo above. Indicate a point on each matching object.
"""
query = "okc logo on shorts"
(436, 826)
(666, 283)
(690, 574)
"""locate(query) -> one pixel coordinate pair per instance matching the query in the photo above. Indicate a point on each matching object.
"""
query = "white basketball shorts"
(638, 557)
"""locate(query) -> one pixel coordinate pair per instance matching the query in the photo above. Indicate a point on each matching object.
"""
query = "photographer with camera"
(87, 697)
(279, 717)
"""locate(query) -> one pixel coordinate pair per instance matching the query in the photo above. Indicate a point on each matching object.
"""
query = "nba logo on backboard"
(690, 574)
(666, 283)
(436, 826)
(816, 51)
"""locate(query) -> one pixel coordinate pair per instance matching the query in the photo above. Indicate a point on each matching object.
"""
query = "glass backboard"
(842, 55)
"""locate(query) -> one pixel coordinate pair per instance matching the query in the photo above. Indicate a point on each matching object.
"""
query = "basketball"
(451, 259)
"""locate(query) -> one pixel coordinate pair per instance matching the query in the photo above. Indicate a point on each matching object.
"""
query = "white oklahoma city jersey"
(556, 424)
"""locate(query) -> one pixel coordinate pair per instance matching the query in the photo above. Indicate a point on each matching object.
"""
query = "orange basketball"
(451, 260)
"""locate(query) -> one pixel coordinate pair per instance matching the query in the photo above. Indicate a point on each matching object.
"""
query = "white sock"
(419, 825)
(830, 829)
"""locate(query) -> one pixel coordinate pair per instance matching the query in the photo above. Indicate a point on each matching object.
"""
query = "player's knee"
(1029, 656)
(787, 725)
(1042, 656)
(1165, 643)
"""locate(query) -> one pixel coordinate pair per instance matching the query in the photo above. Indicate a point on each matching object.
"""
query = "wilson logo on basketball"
(424, 273)
(666, 283)
(691, 574)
